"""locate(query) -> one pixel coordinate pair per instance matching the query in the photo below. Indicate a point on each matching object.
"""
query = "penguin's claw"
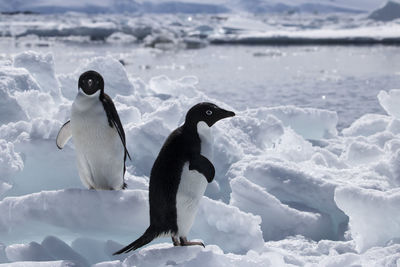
(175, 241)
(185, 242)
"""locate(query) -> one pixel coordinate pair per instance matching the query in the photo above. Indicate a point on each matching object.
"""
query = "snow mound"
(390, 11)
(367, 125)
(374, 215)
(390, 102)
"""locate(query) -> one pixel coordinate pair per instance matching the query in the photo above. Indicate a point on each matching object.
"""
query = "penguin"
(98, 135)
(179, 177)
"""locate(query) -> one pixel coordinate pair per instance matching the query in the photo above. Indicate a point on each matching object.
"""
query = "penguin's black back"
(165, 177)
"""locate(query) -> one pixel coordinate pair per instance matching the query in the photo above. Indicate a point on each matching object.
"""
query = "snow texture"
(289, 188)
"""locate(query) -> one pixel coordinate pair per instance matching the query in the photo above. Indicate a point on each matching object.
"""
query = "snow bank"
(374, 215)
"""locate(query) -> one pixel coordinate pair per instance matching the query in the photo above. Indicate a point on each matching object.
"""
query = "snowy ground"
(303, 178)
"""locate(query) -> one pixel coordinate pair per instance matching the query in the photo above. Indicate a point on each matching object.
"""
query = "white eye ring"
(209, 112)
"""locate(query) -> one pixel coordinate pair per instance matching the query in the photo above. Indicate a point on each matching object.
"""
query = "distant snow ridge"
(390, 11)
(289, 189)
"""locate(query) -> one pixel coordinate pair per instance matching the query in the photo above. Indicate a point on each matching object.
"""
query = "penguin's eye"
(209, 112)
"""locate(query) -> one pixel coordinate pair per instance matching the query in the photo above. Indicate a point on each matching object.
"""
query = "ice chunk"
(390, 102)
(164, 85)
(10, 161)
(374, 215)
(308, 122)
(278, 220)
(227, 226)
(41, 67)
(36, 104)
(30, 252)
(17, 79)
(303, 190)
(394, 164)
(94, 250)
(3, 257)
(4, 187)
(13, 80)
(59, 250)
(54, 212)
(119, 37)
(363, 153)
(367, 125)
(394, 126)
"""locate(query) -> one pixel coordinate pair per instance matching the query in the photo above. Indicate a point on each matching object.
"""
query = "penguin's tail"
(146, 238)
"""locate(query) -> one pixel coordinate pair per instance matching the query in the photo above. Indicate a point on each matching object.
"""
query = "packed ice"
(291, 189)
(287, 182)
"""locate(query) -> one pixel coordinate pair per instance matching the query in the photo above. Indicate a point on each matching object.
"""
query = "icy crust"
(374, 215)
(280, 172)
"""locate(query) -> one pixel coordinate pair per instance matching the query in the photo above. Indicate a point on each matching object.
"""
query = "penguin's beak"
(222, 114)
(226, 114)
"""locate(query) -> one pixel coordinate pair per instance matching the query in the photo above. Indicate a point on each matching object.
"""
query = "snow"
(291, 189)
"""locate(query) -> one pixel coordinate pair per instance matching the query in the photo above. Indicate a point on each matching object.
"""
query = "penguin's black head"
(90, 82)
(207, 112)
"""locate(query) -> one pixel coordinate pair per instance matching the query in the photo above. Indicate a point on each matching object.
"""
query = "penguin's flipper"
(64, 135)
(114, 121)
(202, 165)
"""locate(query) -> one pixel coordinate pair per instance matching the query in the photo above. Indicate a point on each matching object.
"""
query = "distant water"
(345, 79)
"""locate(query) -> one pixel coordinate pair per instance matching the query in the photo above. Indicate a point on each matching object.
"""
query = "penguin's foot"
(175, 241)
(185, 242)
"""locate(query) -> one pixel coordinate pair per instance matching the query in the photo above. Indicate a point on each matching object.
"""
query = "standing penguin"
(179, 177)
(98, 135)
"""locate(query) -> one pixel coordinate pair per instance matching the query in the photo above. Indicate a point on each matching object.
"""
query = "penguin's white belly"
(192, 185)
(190, 191)
(99, 149)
